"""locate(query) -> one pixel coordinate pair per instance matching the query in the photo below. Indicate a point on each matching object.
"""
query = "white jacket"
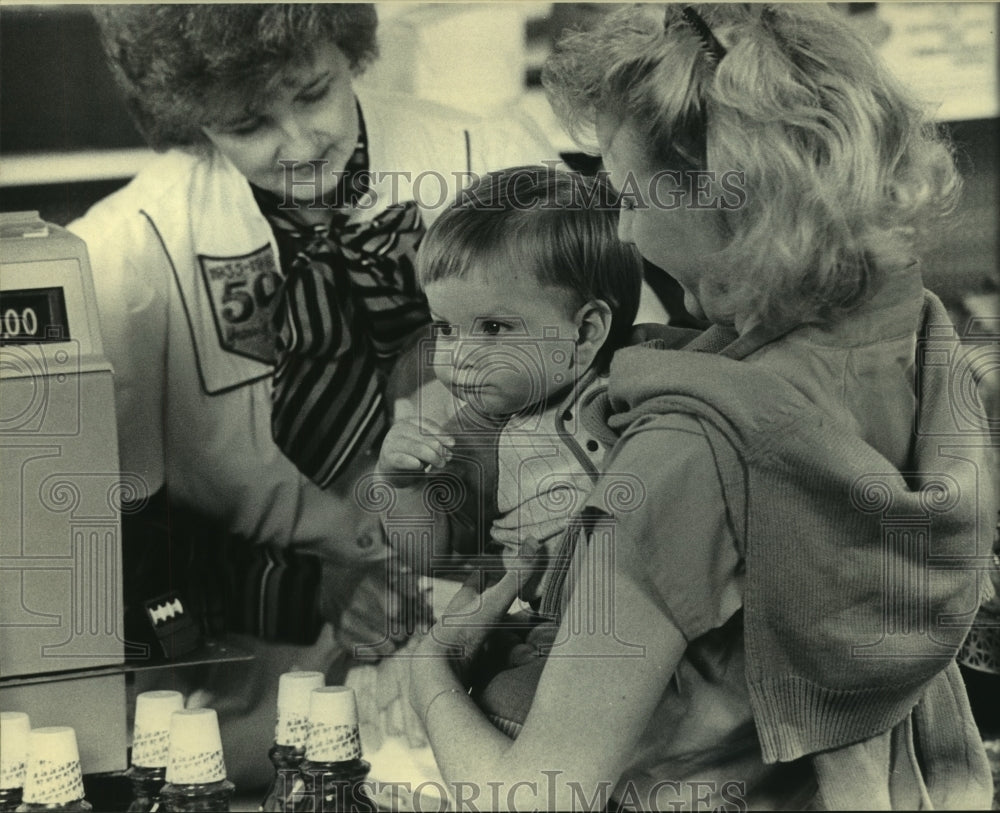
(193, 392)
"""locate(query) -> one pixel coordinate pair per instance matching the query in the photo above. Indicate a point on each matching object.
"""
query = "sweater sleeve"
(673, 537)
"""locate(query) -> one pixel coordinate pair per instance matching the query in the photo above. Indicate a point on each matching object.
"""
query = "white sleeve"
(131, 276)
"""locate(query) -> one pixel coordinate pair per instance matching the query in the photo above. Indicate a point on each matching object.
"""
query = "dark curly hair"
(176, 63)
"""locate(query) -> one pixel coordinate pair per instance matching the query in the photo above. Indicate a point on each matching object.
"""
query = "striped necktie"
(348, 306)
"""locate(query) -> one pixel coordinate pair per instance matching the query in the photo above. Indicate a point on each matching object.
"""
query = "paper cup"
(294, 689)
(151, 732)
(53, 773)
(195, 755)
(14, 730)
(333, 725)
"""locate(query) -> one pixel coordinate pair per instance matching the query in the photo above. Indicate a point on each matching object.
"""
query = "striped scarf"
(349, 303)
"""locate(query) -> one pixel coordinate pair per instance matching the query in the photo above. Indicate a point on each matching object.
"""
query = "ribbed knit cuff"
(796, 717)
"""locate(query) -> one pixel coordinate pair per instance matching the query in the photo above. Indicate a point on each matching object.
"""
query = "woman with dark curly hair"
(256, 286)
(761, 603)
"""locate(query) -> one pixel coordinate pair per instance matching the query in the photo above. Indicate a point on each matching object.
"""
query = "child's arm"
(413, 453)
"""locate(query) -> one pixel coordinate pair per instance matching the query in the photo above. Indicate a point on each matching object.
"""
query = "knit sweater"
(861, 579)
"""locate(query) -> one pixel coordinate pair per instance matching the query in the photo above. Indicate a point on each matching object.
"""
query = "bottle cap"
(151, 731)
(294, 689)
(53, 775)
(333, 725)
(195, 748)
(14, 729)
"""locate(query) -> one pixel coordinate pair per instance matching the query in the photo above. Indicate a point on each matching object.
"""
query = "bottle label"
(12, 773)
(53, 782)
(198, 768)
(150, 748)
(334, 743)
(292, 729)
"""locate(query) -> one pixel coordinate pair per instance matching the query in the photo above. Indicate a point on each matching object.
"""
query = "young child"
(531, 293)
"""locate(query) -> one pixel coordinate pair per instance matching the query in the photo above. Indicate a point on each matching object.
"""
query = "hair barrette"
(709, 42)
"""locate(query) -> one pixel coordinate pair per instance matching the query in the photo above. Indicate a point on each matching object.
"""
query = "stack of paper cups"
(333, 725)
(195, 756)
(294, 690)
(151, 732)
(14, 730)
(53, 774)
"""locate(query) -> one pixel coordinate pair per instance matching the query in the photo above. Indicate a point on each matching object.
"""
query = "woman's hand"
(469, 617)
(593, 699)
(383, 697)
(413, 445)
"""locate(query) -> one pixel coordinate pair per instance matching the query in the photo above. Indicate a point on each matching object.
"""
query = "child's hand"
(414, 445)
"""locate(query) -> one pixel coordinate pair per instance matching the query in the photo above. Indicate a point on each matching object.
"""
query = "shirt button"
(593, 445)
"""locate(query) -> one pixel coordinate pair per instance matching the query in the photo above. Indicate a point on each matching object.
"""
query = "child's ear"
(593, 321)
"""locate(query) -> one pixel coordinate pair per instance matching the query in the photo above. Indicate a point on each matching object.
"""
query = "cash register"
(62, 646)
(65, 649)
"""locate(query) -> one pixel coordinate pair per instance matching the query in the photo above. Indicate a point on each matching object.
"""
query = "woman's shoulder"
(124, 231)
(164, 178)
(647, 379)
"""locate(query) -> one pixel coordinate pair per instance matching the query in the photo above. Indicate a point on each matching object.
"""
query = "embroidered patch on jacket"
(244, 293)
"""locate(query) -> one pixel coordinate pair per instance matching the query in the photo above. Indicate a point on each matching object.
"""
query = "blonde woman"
(762, 621)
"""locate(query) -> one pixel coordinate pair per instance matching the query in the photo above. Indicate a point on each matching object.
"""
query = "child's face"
(504, 343)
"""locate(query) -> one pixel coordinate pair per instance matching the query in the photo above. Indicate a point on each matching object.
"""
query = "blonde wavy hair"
(844, 170)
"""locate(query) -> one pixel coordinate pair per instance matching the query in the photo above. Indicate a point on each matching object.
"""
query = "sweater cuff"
(796, 717)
